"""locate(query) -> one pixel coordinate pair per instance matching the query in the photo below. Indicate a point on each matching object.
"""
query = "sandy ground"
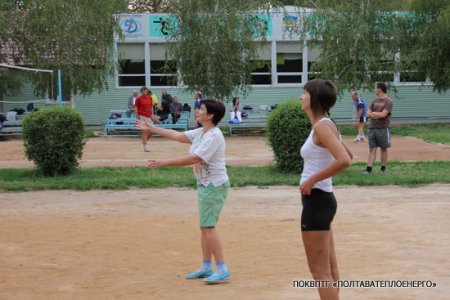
(240, 151)
(138, 244)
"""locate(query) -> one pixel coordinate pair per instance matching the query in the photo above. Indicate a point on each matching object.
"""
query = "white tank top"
(316, 158)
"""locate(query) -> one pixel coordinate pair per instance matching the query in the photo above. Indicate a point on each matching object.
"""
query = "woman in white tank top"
(324, 156)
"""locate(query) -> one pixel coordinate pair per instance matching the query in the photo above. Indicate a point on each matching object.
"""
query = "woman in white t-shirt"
(207, 155)
(324, 156)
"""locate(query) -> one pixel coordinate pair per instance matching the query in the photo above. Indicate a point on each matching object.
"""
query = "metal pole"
(59, 88)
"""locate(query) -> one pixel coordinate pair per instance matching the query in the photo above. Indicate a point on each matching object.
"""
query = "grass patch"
(438, 133)
(116, 178)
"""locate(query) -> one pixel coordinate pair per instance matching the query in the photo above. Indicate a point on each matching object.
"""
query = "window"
(131, 61)
(289, 62)
(161, 74)
(262, 73)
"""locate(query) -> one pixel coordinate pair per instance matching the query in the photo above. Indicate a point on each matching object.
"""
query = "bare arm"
(349, 152)
(360, 111)
(186, 160)
(168, 133)
(327, 138)
(379, 115)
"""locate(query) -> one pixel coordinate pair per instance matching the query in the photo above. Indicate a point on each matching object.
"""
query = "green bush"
(287, 129)
(54, 139)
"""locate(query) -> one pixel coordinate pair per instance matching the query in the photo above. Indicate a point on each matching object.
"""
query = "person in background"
(197, 98)
(131, 102)
(163, 110)
(176, 109)
(235, 109)
(361, 110)
(143, 110)
(379, 136)
(155, 102)
(166, 96)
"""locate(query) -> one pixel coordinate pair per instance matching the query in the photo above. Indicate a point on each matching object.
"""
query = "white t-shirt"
(211, 149)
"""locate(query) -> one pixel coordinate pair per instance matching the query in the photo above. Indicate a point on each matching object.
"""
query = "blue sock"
(221, 267)
(206, 265)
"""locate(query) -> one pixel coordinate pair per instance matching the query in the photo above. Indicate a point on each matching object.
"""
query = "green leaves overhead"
(363, 41)
(214, 48)
(75, 36)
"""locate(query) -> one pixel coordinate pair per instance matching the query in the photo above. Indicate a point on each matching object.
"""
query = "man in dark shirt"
(380, 118)
(176, 109)
(163, 110)
(166, 96)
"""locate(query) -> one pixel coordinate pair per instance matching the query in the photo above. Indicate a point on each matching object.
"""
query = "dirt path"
(240, 151)
(137, 244)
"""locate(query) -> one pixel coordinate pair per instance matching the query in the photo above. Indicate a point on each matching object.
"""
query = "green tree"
(359, 38)
(147, 6)
(74, 36)
(425, 42)
(213, 46)
(10, 82)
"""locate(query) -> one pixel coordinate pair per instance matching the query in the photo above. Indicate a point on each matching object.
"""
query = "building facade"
(286, 64)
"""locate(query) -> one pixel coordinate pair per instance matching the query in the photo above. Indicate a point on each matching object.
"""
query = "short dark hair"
(382, 86)
(214, 107)
(323, 95)
(144, 88)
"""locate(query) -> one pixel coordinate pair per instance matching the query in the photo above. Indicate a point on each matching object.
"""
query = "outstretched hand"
(154, 164)
(143, 125)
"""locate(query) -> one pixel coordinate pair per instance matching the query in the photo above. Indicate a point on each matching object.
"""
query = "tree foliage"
(360, 38)
(425, 44)
(74, 36)
(147, 6)
(214, 46)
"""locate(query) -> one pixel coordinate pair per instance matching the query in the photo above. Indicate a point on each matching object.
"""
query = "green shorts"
(210, 202)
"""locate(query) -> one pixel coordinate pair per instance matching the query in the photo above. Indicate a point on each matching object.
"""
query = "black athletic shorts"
(319, 209)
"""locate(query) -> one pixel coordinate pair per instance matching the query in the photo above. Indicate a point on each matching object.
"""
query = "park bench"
(255, 121)
(10, 128)
(126, 126)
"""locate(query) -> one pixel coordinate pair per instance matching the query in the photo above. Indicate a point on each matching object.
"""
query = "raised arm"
(168, 133)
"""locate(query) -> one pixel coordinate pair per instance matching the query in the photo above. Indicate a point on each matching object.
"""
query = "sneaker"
(217, 277)
(365, 172)
(362, 139)
(146, 148)
(383, 172)
(199, 274)
(355, 140)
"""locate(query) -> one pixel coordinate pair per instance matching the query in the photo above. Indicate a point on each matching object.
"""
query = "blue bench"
(127, 127)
